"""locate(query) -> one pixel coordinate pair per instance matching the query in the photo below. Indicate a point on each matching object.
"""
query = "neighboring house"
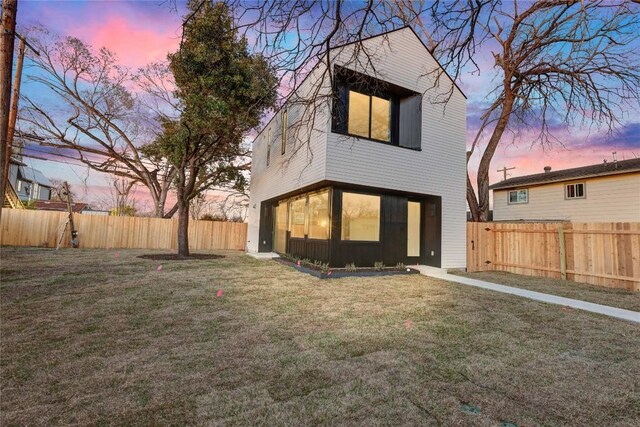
(606, 192)
(52, 205)
(29, 183)
(381, 175)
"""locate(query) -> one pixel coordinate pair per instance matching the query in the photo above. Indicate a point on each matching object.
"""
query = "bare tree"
(99, 119)
(558, 63)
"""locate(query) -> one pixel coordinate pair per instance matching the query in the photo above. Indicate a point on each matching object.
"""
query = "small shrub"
(378, 266)
(351, 267)
(400, 266)
(324, 267)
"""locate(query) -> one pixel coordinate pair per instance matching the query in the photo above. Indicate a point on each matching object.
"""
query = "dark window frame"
(346, 80)
(575, 184)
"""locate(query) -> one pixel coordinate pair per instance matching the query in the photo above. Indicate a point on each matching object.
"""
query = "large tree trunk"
(183, 227)
(487, 156)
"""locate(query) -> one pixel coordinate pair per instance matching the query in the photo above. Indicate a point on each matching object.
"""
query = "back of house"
(365, 162)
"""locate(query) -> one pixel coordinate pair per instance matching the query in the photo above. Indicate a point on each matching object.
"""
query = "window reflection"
(319, 215)
(360, 217)
(380, 118)
(297, 217)
(358, 114)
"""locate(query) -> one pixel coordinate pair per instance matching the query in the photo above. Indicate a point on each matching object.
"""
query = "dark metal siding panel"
(410, 122)
(432, 237)
(297, 247)
(394, 229)
(266, 227)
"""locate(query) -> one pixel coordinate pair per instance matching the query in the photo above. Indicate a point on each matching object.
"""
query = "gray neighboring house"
(29, 183)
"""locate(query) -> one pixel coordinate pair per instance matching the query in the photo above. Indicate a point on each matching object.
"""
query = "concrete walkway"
(619, 313)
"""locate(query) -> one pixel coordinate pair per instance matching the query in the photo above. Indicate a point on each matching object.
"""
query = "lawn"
(620, 298)
(104, 337)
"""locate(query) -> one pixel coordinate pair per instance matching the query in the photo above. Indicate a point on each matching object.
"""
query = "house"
(29, 183)
(605, 192)
(379, 175)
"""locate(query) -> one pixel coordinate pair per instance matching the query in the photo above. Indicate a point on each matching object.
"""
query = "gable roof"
(600, 169)
(275, 113)
(34, 175)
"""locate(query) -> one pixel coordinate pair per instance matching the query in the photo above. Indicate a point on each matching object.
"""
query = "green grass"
(613, 297)
(88, 338)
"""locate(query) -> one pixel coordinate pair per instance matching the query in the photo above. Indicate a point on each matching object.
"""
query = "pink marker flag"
(219, 293)
(299, 263)
(160, 267)
(408, 324)
(329, 273)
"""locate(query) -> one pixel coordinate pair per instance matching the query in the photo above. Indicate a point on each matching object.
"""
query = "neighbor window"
(518, 196)
(360, 217)
(319, 215)
(268, 146)
(297, 217)
(575, 191)
(284, 132)
(19, 186)
(369, 116)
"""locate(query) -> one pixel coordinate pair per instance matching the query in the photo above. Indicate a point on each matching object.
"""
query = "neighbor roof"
(52, 205)
(601, 169)
(34, 175)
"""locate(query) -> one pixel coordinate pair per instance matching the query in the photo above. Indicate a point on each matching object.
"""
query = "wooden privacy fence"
(22, 227)
(605, 254)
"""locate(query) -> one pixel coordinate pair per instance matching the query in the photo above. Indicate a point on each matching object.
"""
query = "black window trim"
(393, 99)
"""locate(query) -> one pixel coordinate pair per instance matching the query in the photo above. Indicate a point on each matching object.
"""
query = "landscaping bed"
(324, 272)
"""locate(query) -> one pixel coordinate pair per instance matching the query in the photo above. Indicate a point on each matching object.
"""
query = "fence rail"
(605, 254)
(19, 227)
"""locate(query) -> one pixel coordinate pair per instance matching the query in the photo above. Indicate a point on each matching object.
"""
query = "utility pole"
(74, 233)
(504, 171)
(7, 39)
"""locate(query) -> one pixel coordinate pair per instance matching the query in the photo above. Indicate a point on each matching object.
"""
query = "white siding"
(439, 169)
(303, 162)
(608, 199)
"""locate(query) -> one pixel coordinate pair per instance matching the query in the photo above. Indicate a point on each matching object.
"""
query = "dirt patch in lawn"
(176, 257)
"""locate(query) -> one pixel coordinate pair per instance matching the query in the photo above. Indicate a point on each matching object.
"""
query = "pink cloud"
(134, 45)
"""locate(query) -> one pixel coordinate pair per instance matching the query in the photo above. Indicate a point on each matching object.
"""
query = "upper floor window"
(518, 196)
(369, 116)
(574, 191)
(283, 148)
(268, 146)
(372, 109)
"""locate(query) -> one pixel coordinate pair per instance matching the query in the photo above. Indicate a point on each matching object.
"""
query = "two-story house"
(605, 192)
(378, 172)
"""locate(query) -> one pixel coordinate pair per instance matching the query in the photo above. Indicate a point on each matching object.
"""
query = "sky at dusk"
(145, 31)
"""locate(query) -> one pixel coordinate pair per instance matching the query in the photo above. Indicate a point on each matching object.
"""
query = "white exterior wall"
(303, 163)
(613, 198)
(439, 169)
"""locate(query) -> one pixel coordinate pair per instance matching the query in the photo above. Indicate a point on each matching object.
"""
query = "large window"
(360, 217)
(297, 217)
(369, 116)
(413, 229)
(518, 196)
(575, 191)
(281, 228)
(319, 215)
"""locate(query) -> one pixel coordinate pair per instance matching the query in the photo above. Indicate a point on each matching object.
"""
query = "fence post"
(563, 253)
